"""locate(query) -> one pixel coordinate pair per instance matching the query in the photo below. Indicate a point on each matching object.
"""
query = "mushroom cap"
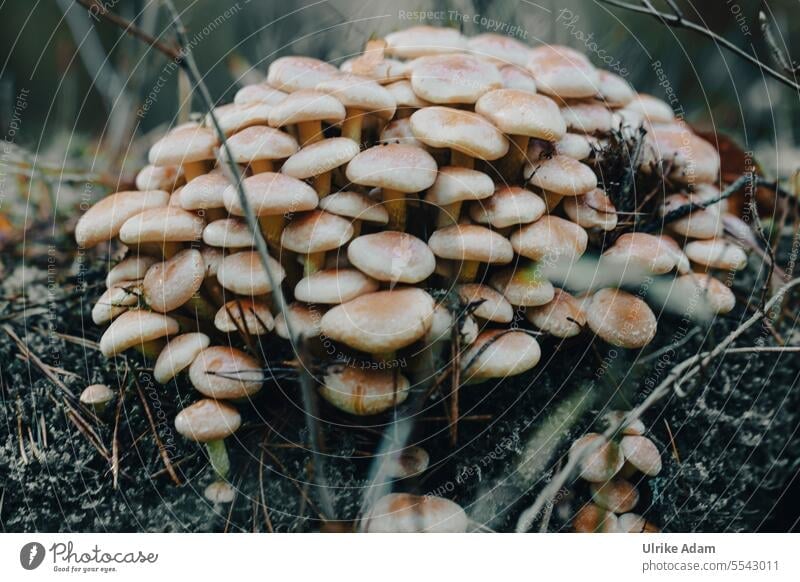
(306, 105)
(356, 206)
(132, 268)
(133, 328)
(96, 394)
(406, 513)
(404, 95)
(442, 327)
(592, 518)
(399, 131)
(652, 109)
(642, 251)
(184, 145)
(469, 242)
(499, 353)
(713, 292)
(617, 495)
(613, 90)
(523, 285)
(204, 191)
(588, 117)
(316, 231)
(634, 427)
(259, 93)
(563, 317)
(320, 157)
(517, 112)
(574, 145)
(219, 492)
(207, 420)
(363, 392)
(246, 315)
(270, 194)
(405, 463)
(244, 274)
(702, 223)
(550, 238)
(400, 167)
(170, 224)
(212, 258)
(334, 286)
(393, 256)
(115, 300)
(260, 143)
(562, 175)
(372, 65)
(303, 318)
(171, 283)
(178, 355)
(592, 210)
(452, 79)
(508, 206)
(419, 41)
(159, 178)
(293, 74)
(464, 131)
(515, 78)
(499, 48)
(361, 93)
(381, 322)
(103, 221)
(223, 372)
(456, 184)
(716, 254)
(603, 462)
(563, 72)
(692, 158)
(228, 233)
(492, 307)
(635, 523)
(233, 117)
(640, 452)
(621, 319)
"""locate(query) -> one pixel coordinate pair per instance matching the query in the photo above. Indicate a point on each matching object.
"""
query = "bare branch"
(783, 59)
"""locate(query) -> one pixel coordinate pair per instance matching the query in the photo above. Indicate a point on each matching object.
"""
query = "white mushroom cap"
(469, 242)
(246, 315)
(550, 238)
(292, 74)
(693, 159)
(702, 223)
(103, 221)
(573, 145)
(303, 318)
(131, 268)
(518, 112)
(116, 300)
(617, 495)
(222, 372)
(463, 131)
(260, 143)
(652, 109)
(601, 464)
(404, 95)
(178, 355)
(508, 206)
(592, 518)
(392, 256)
(405, 513)
(681, 260)
(134, 328)
(360, 93)
(592, 210)
(219, 492)
(306, 105)
(613, 90)
(562, 175)
(587, 117)
(356, 206)
(643, 251)
(635, 523)
(259, 92)
(96, 394)
(315, 232)
(320, 157)
(400, 167)
(456, 184)
(170, 284)
(204, 191)
(712, 292)
(500, 48)
(523, 285)
(212, 258)
(492, 305)
(171, 224)
(207, 420)
(363, 392)
(562, 317)
(372, 65)
(234, 117)
(499, 353)
(640, 452)
(244, 274)
(399, 131)
(621, 319)
(452, 79)
(419, 41)
(515, 78)
(716, 254)
(405, 463)
(184, 145)
(334, 286)
(270, 194)
(228, 233)
(562, 72)
(159, 178)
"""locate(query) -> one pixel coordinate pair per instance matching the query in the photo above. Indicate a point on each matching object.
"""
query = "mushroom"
(715, 295)
(103, 221)
(97, 397)
(314, 233)
(258, 147)
(601, 463)
(247, 316)
(562, 317)
(592, 210)
(162, 226)
(319, 159)
(189, 146)
(210, 422)
(692, 160)
(292, 74)
(634, 427)
(508, 206)
(701, 223)
(453, 186)
(244, 274)
(471, 245)
(592, 518)
(640, 250)
(419, 41)
(204, 195)
(224, 373)
(405, 463)
(561, 175)
(307, 109)
(360, 96)
(523, 285)
(499, 48)
(131, 268)
(228, 233)
(363, 392)
(617, 495)
(136, 328)
(635, 523)
(716, 254)
(652, 109)
(116, 300)
(334, 286)
(405, 513)
(587, 117)
(613, 90)
(515, 78)
(259, 93)
(219, 492)
(405, 99)
(235, 117)
(304, 321)
(499, 353)
(395, 257)
(551, 239)
(486, 303)
(562, 72)
(178, 355)
(176, 282)
(621, 319)
(355, 206)
(453, 79)
(166, 178)
(640, 452)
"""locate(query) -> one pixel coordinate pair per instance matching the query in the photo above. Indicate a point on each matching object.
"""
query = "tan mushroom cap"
(442, 327)
(404, 95)
(453, 79)
(356, 206)
(551, 238)
(602, 463)
(159, 178)
(491, 305)
(613, 90)
(334, 286)
(523, 285)
(320, 157)
(575, 145)
(96, 394)
(233, 117)
(228, 233)
(400, 167)
(247, 316)
(222, 372)
(592, 210)
(562, 175)
(617, 495)
(303, 319)
(260, 143)
(103, 221)
(716, 254)
(259, 93)
(643, 251)
(469, 242)
(171, 224)
(212, 258)
(133, 328)
(515, 78)
(634, 427)
(651, 108)
(456, 184)
(375, 67)
(702, 223)
(399, 131)
(712, 292)
(508, 206)
(244, 274)
(184, 145)
(635, 523)
(360, 93)
(405, 463)
(363, 392)
(207, 420)
(271, 193)
(178, 355)
(592, 518)
(419, 41)
(381, 322)
(306, 105)
(563, 317)
(588, 117)
(316, 231)
(693, 159)
(499, 353)
(406, 513)
(293, 74)
(681, 260)
(219, 492)
(170, 284)
(621, 319)
(116, 300)
(131, 268)
(640, 452)
(563, 72)
(204, 192)
(518, 112)
(393, 256)
(463, 131)
(499, 48)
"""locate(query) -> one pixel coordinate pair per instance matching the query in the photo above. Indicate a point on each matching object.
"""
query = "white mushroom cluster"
(432, 161)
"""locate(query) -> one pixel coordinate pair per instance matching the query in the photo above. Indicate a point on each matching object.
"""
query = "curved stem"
(218, 455)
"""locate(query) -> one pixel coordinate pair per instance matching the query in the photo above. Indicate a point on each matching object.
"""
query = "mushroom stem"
(214, 290)
(468, 272)
(510, 166)
(356, 228)
(322, 184)
(218, 455)
(396, 207)
(351, 127)
(193, 169)
(461, 159)
(271, 228)
(261, 166)
(199, 306)
(448, 215)
(313, 263)
(309, 132)
(212, 214)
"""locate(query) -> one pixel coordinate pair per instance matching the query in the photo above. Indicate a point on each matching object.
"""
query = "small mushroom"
(136, 328)
(600, 464)
(174, 282)
(523, 285)
(259, 147)
(635, 523)
(550, 239)
(203, 195)
(640, 452)
(164, 227)
(357, 207)
(453, 79)
(405, 463)
(235, 117)
(508, 206)
(486, 303)
(617, 495)
(131, 268)
(334, 286)
(592, 210)
(405, 513)
(178, 355)
(714, 294)
(562, 317)
(471, 245)
(587, 117)
(561, 175)
(103, 221)
(716, 254)
(219, 492)
(592, 518)
(167, 178)
(453, 186)
(500, 353)
(639, 250)
(319, 159)
(304, 320)
(307, 109)
(562, 72)
(314, 233)
(621, 319)
(116, 300)
(395, 257)
(97, 397)
(499, 48)
(244, 274)
(210, 422)
(361, 97)
(247, 316)
(419, 41)
(293, 74)
(613, 90)
(189, 146)
(363, 392)
(260, 93)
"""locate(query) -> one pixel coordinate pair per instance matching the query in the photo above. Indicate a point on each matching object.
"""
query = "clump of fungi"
(434, 182)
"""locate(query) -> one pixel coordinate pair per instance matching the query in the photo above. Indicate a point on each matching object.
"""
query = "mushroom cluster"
(423, 186)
